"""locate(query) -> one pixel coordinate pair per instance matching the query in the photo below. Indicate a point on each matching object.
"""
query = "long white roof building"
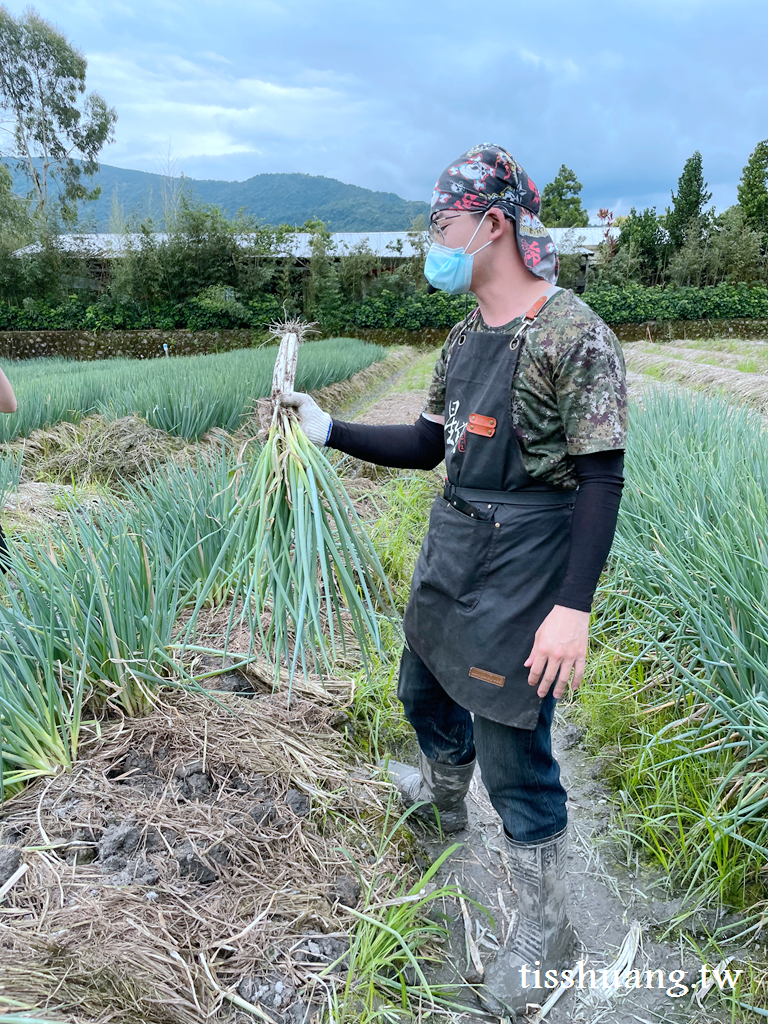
(385, 244)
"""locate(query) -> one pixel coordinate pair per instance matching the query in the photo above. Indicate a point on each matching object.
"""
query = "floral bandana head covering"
(488, 176)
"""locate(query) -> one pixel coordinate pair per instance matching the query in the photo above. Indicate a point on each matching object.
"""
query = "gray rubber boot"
(444, 785)
(544, 939)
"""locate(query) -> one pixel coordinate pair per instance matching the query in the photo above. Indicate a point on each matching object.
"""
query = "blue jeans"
(519, 772)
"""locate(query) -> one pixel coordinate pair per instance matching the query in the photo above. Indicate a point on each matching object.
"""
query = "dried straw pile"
(191, 852)
(751, 388)
(97, 449)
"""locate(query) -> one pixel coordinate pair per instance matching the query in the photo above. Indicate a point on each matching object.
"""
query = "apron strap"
(530, 315)
(536, 308)
(541, 302)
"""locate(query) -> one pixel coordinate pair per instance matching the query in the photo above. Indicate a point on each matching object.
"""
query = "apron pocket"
(459, 553)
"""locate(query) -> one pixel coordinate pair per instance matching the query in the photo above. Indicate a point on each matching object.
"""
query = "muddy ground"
(606, 899)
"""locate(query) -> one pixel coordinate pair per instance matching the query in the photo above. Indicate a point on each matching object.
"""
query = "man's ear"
(497, 219)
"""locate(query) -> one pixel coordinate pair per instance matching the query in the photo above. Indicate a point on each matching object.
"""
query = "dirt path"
(607, 896)
(400, 398)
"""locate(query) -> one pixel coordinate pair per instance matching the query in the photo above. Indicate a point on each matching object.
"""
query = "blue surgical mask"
(450, 270)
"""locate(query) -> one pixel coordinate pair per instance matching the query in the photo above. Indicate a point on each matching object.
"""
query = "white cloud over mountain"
(384, 94)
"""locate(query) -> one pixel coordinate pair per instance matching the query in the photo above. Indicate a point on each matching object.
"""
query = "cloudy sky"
(384, 93)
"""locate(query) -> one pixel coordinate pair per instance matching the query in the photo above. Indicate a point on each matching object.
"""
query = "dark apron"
(498, 542)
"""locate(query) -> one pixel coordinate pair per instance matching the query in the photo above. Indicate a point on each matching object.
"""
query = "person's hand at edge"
(315, 423)
(559, 648)
(7, 397)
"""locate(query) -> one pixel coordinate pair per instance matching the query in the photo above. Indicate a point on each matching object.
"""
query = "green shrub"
(635, 304)
(212, 311)
(206, 312)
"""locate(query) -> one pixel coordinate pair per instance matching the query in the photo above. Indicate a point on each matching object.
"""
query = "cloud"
(205, 111)
(384, 94)
(565, 68)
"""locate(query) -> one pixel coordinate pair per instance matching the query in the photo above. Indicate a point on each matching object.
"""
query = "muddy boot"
(544, 940)
(444, 785)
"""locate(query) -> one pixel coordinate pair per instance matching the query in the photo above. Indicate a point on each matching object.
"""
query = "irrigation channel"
(181, 839)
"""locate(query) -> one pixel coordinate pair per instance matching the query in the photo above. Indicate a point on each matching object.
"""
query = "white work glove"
(315, 423)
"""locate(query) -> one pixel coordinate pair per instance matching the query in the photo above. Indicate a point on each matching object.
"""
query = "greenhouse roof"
(392, 244)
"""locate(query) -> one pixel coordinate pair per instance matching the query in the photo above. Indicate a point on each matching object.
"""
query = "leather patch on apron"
(487, 677)
(483, 425)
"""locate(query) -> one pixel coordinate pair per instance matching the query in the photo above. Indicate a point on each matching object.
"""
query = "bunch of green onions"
(304, 569)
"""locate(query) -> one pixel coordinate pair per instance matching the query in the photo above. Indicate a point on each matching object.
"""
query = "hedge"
(635, 304)
(632, 304)
(196, 315)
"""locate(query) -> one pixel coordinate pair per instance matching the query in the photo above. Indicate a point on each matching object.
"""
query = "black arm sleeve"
(601, 478)
(419, 446)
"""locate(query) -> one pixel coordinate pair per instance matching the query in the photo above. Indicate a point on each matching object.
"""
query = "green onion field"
(192, 693)
(185, 396)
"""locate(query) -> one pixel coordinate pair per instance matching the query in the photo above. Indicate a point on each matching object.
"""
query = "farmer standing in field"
(528, 408)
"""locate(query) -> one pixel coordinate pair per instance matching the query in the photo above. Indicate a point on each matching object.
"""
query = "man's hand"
(560, 646)
(315, 423)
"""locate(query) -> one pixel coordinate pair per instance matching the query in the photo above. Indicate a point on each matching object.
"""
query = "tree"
(54, 131)
(753, 188)
(322, 282)
(201, 252)
(642, 247)
(561, 201)
(727, 251)
(15, 224)
(688, 205)
(733, 250)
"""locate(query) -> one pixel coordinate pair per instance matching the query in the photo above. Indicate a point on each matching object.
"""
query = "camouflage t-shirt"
(569, 393)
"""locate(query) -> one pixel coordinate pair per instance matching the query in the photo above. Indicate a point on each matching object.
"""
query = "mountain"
(273, 198)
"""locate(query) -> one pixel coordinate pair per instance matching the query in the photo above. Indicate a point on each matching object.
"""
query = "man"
(528, 407)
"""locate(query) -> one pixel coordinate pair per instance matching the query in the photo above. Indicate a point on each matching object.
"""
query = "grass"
(680, 682)
(394, 936)
(397, 527)
(185, 396)
(90, 620)
(10, 474)
(655, 372)
(419, 375)
(185, 512)
(87, 617)
(736, 346)
(90, 611)
(681, 649)
(111, 581)
(744, 356)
